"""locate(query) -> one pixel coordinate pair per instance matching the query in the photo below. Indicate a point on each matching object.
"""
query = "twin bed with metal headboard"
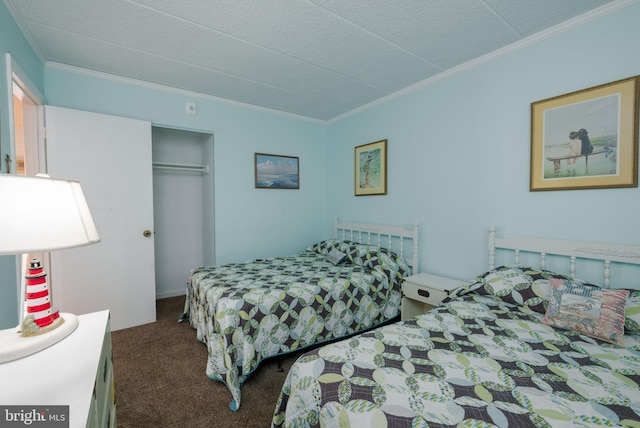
(247, 312)
(404, 241)
(602, 253)
(526, 343)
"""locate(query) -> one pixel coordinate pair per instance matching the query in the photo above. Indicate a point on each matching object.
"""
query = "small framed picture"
(277, 172)
(371, 169)
(586, 139)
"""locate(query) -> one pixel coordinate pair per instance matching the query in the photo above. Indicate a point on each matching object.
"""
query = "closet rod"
(204, 169)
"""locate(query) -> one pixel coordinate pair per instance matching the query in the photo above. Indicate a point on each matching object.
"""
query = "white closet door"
(111, 157)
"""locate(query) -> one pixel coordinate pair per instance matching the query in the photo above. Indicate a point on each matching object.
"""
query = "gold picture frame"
(371, 169)
(586, 139)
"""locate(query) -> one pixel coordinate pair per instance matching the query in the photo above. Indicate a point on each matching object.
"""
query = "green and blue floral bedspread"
(246, 312)
(475, 361)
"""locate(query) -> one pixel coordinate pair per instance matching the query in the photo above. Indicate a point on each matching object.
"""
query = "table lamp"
(39, 214)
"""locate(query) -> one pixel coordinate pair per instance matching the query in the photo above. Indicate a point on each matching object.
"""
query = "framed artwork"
(277, 172)
(371, 169)
(586, 139)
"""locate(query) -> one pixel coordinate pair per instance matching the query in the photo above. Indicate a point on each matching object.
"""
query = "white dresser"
(77, 371)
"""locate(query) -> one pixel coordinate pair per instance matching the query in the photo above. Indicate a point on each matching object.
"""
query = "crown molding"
(550, 32)
(572, 23)
(170, 89)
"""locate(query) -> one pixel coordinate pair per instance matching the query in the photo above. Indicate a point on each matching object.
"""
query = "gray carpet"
(160, 379)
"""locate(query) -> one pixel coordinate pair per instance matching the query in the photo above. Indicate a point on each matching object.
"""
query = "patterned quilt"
(246, 312)
(475, 361)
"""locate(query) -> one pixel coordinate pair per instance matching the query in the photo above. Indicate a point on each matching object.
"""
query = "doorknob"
(146, 233)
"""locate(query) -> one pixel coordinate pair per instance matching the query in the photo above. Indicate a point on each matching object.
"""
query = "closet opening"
(183, 206)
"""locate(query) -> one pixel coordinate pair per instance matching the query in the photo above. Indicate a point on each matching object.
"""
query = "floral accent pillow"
(632, 312)
(519, 285)
(594, 311)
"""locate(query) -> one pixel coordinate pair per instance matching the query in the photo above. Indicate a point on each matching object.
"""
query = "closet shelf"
(183, 167)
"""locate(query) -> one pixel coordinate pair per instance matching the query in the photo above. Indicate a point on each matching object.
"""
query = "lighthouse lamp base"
(13, 345)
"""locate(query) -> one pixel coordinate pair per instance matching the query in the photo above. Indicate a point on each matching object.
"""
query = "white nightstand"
(423, 291)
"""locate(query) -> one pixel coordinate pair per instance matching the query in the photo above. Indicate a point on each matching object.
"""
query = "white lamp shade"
(43, 214)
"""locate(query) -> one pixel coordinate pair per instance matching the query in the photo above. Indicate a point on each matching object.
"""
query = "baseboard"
(168, 294)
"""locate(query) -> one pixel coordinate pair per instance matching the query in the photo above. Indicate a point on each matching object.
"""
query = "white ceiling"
(315, 58)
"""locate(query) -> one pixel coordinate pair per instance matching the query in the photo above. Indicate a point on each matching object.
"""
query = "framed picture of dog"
(586, 139)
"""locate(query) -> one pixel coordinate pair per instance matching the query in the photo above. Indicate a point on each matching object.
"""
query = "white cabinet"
(423, 291)
(75, 372)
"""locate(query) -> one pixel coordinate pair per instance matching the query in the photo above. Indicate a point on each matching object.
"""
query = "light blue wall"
(458, 151)
(12, 41)
(249, 222)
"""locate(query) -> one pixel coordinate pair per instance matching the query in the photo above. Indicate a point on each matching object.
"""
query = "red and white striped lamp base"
(42, 327)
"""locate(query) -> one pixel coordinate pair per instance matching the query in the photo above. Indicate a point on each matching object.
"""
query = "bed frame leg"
(280, 368)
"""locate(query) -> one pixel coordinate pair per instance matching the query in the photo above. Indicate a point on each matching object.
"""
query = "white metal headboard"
(606, 253)
(396, 238)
